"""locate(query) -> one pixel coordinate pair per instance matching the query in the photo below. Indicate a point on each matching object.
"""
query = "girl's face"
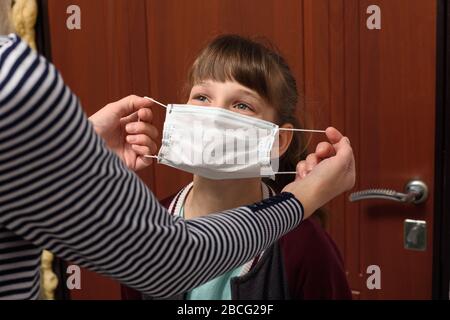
(232, 96)
(235, 97)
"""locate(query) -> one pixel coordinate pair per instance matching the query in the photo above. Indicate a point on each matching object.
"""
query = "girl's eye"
(243, 107)
(201, 98)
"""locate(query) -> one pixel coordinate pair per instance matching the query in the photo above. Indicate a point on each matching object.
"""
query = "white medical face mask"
(219, 144)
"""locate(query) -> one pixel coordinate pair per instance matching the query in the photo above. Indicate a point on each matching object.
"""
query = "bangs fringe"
(235, 59)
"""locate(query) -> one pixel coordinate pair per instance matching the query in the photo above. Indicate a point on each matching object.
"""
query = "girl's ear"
(285, 138)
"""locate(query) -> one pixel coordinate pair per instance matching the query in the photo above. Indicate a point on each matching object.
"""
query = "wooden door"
(376, 85)
(379, 84)
(397, 69)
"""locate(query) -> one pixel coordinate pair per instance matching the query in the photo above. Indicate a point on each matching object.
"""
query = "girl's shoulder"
(310, 242)
(173, 202)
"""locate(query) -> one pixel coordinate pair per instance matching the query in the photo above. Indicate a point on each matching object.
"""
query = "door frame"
(44, 48)
(441, 245)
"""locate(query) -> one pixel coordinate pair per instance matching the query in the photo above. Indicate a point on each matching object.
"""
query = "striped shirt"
(63, 190)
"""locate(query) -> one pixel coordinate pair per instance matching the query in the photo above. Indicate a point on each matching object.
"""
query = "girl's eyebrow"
(245, 92)
(199, 87)
(202, 84)
(249, 93)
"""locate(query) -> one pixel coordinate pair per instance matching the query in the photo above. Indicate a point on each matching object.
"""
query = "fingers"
(142, 150)
(333, 135)
(129, 105)
(325, 150)
(136, 103)
(304, 167)
(140, 102)
(142, 140)
(344, 153)
(145, 115)
(343, 147)
(301, 170)
(311, 161)
(143, 162)
(145, 128)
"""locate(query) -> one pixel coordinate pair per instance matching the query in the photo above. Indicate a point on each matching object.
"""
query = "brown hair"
(261, 68)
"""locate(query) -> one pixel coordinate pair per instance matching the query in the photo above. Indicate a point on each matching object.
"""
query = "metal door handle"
(416, 191)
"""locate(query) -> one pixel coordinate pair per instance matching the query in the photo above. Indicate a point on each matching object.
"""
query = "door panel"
(380, 86)
(397, 128)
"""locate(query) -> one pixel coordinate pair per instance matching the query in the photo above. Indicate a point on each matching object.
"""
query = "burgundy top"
(313, 264)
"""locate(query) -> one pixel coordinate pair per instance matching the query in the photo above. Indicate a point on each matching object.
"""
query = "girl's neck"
(210, 196)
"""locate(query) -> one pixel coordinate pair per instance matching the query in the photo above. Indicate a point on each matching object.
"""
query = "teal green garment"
(218, 288)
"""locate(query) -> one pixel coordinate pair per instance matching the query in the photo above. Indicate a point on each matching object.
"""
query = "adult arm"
(63, 190)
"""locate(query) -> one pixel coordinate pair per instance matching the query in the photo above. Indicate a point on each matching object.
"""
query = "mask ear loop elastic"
(152, 157)
(301, 130)
(157, 102)
(162, 105)
(298, 130)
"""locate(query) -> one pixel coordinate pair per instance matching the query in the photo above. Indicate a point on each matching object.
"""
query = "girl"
(248, 78)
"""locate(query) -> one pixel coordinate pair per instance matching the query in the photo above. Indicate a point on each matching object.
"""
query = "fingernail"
(131, 127)
(347, 139)
(130, 139)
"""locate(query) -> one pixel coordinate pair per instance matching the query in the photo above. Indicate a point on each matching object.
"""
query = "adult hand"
(323, 150)
(126, 126)
(324, 174)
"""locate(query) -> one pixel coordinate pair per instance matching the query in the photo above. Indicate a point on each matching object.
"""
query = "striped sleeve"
(63, 190)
